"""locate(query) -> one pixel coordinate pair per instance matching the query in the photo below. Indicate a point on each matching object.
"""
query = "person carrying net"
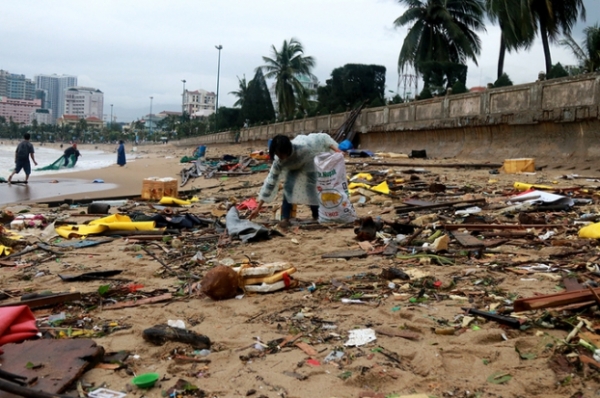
(71, 151)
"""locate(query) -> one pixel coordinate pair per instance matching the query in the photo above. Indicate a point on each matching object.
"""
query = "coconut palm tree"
(587, 55)
(517, 27)
(554, 17)
(284, 66)
(440, 31)
(242, 93)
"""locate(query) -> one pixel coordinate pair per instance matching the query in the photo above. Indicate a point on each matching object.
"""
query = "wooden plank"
(554, 300)
(45, 300)
(466, 239)
(571, 284)
(308, 350)
(62, 362)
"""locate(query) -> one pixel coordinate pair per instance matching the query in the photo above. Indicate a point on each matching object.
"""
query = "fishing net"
(60, 164)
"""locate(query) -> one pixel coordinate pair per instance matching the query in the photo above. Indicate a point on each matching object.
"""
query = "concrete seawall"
(556, 121)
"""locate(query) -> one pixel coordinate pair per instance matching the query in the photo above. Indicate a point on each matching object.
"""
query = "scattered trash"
(360, 337)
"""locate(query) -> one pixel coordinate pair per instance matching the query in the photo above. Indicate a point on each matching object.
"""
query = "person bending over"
(293, 163)
(72, 150)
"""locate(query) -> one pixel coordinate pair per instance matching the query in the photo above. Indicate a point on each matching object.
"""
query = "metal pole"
(150, 119)
(183, 99)
(111, 116)
(219, 47)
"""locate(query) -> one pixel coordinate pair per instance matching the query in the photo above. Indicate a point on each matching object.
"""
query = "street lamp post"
(183, 99)
(218, 47)
(150, 119)
(111, 116)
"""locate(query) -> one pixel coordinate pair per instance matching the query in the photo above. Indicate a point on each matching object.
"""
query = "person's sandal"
(284, 224)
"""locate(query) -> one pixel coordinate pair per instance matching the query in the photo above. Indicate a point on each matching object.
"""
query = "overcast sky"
(134, 49)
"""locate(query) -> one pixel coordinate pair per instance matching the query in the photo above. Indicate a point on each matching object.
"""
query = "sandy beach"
(424, 343)
(147, 161)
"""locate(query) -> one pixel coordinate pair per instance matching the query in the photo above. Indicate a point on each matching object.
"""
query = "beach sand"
(456, 365)
(150, 161)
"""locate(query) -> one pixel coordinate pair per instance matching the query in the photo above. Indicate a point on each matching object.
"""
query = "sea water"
(89, 160)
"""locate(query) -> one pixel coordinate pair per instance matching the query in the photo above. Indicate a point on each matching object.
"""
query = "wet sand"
(151, 161)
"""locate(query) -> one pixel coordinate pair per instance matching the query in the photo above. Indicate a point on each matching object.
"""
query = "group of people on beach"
(293, 161)
(25, 151)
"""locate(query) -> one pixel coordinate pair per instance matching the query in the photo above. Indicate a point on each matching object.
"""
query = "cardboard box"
(155, 188)
(521, 165)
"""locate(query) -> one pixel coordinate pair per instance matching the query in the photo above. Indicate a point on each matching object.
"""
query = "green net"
(60, 164)
(187, 159)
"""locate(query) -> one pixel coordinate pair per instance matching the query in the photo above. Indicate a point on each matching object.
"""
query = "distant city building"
(42, 116)
(199, 103)
(16, 86)
(310, 83)
(18, 110)
(84, 102)
(54, 87)
(93, 122)
(164, 114)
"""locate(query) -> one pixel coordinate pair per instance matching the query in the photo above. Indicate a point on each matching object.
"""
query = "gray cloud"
(135, 49)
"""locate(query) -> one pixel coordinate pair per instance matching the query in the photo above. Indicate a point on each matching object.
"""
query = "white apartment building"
(54, 87)
(42, 116)
(84, 102)
(199, 103)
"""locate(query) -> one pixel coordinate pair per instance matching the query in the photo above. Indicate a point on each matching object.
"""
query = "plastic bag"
(332, 187)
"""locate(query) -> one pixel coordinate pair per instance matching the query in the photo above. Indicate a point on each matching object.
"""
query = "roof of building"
(477, 89)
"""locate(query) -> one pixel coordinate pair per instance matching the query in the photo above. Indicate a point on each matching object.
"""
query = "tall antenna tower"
(407, 81)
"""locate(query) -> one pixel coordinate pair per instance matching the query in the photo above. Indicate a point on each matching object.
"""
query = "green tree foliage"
(516, 23)
(425, 94)
(350, 86)
(257, 107)
(241, 93)
(554, 17)
(169, 123)
(230, 118)
(503, 81)
(588, 54)
(396, 99)
(438, 76)
(557, 71)
(459, 88)
(440, 31)
(284, 66)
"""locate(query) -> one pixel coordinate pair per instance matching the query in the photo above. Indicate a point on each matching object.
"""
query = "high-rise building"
(55, 87)
(16, 86)
(84, 102)
(18, 110)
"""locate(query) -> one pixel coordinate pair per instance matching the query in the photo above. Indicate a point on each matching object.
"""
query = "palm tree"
(242, 93)
(440, 31)
(588, 55)
(284, 66)
(554, 17)
(516, 26)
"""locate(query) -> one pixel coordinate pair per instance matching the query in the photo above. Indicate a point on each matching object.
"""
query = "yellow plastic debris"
(363, 176)
(522, 186)
(114, 222)
(591, 231)
(5, 250)
(382, 188)
(167, 200)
